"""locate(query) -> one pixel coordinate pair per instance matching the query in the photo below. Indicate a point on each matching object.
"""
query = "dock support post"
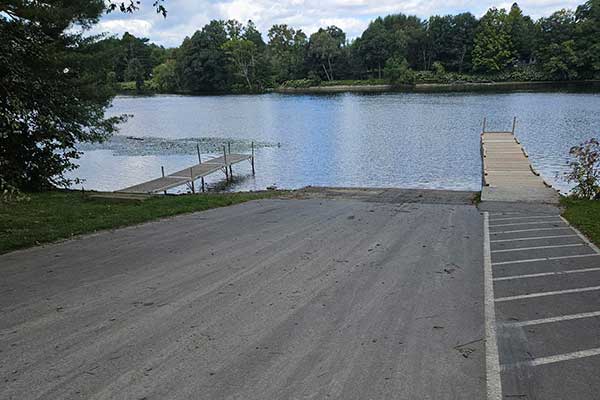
(200, 162)
(514, 124)
(252, 159)
(230, 167)
(162, 169)
(225, 159)
(484, 122)
(192, 178)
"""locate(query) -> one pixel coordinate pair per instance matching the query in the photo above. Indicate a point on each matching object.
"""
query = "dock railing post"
(514, 125)
(252, 159)
(192, 178)
(225, 160)
(162, 169)
(230, 166)
(484, 122)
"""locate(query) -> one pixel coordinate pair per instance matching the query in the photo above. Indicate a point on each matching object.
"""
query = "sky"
(353, 16)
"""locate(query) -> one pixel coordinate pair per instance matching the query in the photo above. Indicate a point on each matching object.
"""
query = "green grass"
(56, 215)
(585, 215)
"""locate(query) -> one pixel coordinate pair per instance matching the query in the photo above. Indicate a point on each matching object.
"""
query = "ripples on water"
(381, 140)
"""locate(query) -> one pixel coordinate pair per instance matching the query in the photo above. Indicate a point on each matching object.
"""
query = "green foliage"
(588, 37)
(54, 88)
(135, 72)
(561, 60)
(287, 51)
(164, 77)
(585, 215)
(492, 50)
(398, 72)
(202, 62)
(585, 170)
(325, 47)
(64, 214)
(438, 68)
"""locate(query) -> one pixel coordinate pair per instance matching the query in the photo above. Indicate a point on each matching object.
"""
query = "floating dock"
(190, 175)
(507, 173)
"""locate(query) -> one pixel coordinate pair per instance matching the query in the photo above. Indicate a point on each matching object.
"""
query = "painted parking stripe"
(525, 276)
(554, 359)
(517, 218)
(555, 319)
(544, 294)
(533, 230)
(531, 238)
(492, 359)
(545, 259)
(525, 223)
(538, 247)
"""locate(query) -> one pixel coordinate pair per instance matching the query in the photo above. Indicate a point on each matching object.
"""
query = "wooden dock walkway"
(191, 174)
(507, 173)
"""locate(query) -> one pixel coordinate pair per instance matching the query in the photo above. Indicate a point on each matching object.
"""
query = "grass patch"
(56, 215)
(585, 215)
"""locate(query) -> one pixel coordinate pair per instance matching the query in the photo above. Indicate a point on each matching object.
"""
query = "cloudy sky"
(353, 16)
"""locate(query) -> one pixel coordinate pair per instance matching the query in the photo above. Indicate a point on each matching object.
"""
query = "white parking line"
(543, 294)
(525, 223)
(555, 319)
(531, 238)
(545, 259)
(538, 247)
(534, 216)
(556, 358)
(492, 359)
(572, 271)
(532, 230)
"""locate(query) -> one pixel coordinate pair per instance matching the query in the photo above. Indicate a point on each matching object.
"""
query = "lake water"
(405, 140)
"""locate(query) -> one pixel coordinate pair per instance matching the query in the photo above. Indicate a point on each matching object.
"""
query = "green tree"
(398, 72)
(492, 51)
(202, 63)
(556, 53)
(287, 51)
(588, 37)
(54, 88)
(561, 60)
(463, 35)
(376, 45)
(325, 46)
(164, 77)
(135, 72)
(522, 33)
(243, 54)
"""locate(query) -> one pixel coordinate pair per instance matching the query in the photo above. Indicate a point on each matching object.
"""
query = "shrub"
(397, 71)
(585, 169)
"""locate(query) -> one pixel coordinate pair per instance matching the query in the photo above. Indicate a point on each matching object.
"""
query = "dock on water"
(188, 176)
(507, 173)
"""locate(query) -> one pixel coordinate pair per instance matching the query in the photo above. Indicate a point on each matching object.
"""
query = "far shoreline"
(591, 85)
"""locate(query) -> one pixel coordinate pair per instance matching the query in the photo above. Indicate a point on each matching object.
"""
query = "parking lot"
(546, 296)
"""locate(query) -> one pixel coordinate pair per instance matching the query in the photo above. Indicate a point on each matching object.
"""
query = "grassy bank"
(585, 215)
(52, 216)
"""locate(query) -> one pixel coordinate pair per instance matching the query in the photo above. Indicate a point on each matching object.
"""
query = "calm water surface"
(381, 140)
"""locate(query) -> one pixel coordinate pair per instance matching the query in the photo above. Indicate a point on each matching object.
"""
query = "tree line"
(227, 56)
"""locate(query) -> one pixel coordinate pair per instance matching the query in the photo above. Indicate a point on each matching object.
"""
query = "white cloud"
(137, 27)
(186, 16)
